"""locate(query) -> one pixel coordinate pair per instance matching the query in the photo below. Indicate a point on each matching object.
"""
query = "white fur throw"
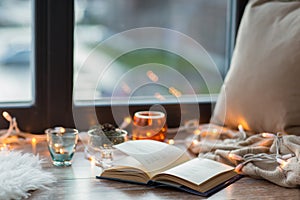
(20, 174)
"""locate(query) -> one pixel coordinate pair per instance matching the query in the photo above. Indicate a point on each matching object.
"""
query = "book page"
(198, 170)
(153, 155)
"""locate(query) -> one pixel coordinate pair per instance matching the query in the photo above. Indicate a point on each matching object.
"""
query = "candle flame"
(62, 130)
(126, 88)
(33, 140)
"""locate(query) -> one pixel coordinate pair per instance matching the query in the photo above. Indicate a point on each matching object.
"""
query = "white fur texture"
(20, 174)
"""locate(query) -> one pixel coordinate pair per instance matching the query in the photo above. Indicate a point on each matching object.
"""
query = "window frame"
(53, 60)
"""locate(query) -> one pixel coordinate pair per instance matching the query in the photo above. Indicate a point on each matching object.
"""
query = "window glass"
(16, 70)
(138, 51)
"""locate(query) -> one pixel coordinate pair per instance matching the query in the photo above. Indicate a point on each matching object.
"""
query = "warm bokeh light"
(148, 134)
(234, 157)
(126, 88)
(4, 147)
(197, 132)
(171, 141)
(243, 123)
(281, 162)
(126, 122)
(6, 116)
(93, 160)
(127, 119)
(238, 168)
(152, 76)
(195, 142)
(159, 96)
(175, 92)
(61, 151)
(268, 135)
(33, 140)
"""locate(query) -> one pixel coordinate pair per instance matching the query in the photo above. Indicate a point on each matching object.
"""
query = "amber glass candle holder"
(149, 125)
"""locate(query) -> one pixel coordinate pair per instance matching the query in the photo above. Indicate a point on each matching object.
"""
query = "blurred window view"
(98, 20)
(16, 70)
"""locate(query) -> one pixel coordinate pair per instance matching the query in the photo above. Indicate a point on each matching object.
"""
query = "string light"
(234, 157)
(171, 141)
(195, 142)
(241, 130)
(281, 162)
(126, 122)
(197, 132)
(268, 135)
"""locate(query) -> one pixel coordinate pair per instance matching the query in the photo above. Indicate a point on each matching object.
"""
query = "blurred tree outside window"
(97, 20)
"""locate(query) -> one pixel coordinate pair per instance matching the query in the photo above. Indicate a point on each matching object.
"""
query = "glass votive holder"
(149, 125)
(62, 144)
(100, 145)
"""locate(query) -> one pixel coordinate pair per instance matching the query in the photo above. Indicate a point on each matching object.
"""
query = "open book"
(160, 164)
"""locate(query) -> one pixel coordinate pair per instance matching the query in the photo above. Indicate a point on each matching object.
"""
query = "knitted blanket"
(274, 157)
(20, 174)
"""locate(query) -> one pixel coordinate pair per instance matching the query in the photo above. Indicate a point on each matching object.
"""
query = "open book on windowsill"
(162, 165)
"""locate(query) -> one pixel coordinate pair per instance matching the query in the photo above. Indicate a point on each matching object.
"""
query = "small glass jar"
(100, 146)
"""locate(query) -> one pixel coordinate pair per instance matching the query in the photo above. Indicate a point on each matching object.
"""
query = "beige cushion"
(262, 88)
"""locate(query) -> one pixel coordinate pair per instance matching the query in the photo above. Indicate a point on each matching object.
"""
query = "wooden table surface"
(79, 182)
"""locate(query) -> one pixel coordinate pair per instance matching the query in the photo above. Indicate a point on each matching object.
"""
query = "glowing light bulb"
(268, 135)
(197, 132)
(281, 162)
(7, 116)
(234, 157)
(195, 142)
(171, 141)
(240, 127)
